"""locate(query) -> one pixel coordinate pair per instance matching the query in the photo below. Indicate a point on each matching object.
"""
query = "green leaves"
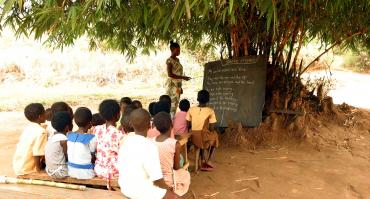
(143, 24)
(7, 6)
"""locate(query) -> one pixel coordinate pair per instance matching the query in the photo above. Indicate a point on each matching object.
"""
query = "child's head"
(62, 122)
(203, 97)
(184, 105)
(165, 98)
(161, 107)
(140, 121)
(83, 118)
(35, 112)
(162, 121)
(48, 114)
(97, 120)
(61, 107)
(137, 104)
(109, 110)
(125, 121)
(151, 108)
(124, 102)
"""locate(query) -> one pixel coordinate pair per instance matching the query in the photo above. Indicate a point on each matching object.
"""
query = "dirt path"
(280, 171)
(349, 87)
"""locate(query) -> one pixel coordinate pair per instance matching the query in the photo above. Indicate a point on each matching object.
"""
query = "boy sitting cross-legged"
(30, 149)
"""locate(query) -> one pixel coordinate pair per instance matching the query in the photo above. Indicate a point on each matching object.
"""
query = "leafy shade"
(277, 28)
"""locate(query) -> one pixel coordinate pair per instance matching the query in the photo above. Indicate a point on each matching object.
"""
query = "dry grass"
(31, 72)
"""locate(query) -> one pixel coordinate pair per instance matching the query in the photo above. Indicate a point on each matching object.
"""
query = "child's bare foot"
(205, 167)
(209, 164)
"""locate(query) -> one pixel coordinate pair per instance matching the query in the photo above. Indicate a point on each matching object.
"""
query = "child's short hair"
(165, 98)
(126, 100)
(109, 109)
(125, 120)
(48, 114)
(61, 120)
(97, 120)
(151, 108)
(140, 119)
(162, 121)
(184, 105)
(33, 111)
(203, 96)
(137, 103)
(83, 117)
(60, 107)
(161, 107)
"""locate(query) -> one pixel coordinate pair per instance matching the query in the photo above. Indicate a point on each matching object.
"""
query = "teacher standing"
(175, 76)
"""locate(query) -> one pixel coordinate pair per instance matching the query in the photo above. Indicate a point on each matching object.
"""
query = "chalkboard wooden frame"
(237, 89)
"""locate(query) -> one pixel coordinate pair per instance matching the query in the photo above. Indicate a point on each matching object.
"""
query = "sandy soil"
(333, 164)
(289, 170)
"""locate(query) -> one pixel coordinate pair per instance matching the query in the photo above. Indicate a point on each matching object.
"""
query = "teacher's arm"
(174, 76)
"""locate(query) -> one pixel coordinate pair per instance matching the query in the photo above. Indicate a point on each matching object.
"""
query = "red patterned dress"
(108, 139)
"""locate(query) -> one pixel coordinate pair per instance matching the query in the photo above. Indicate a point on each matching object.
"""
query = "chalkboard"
(237, 89)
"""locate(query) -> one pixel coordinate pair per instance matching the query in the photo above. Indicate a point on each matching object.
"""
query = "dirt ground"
(337, 167)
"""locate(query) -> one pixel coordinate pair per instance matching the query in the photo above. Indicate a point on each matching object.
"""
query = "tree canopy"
(277, 28)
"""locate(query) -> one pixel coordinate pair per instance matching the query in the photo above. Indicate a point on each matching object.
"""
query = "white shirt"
(79, 152)
(139, 167)
(54, 154)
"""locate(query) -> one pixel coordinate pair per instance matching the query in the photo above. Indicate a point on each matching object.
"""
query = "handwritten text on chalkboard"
(236, 89)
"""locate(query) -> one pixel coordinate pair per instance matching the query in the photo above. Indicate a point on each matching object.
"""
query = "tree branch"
(328, 49)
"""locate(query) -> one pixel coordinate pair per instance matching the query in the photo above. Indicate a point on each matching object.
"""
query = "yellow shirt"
(198, 115)
(31, 143)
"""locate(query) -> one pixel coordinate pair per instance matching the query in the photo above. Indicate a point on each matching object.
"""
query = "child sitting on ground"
(169, 155)
(180, 125)
(137, 104)
(124, 102)
(140, 174)
(81, 147)
(55, 108)
(151, 108)
(167, 99)
(30, 151)
(202, 120)
(56, 147)
(125, 120)
(108, 138)
(160, 106)
(97, 120)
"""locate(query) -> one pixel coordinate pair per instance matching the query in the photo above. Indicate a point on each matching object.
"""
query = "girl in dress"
(169, 154)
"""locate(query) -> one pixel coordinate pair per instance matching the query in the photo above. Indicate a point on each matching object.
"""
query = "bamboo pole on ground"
(8, 180)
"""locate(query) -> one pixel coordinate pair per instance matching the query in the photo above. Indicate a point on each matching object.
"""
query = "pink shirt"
(180, 125)
(153, 132)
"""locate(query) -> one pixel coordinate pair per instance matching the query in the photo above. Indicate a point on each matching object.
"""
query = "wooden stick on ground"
(8, 180)
(238, 191)
(255, 179)
(247, 179)
(211, 195)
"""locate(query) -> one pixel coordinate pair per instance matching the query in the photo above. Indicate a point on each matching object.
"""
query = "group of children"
(122, 141)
